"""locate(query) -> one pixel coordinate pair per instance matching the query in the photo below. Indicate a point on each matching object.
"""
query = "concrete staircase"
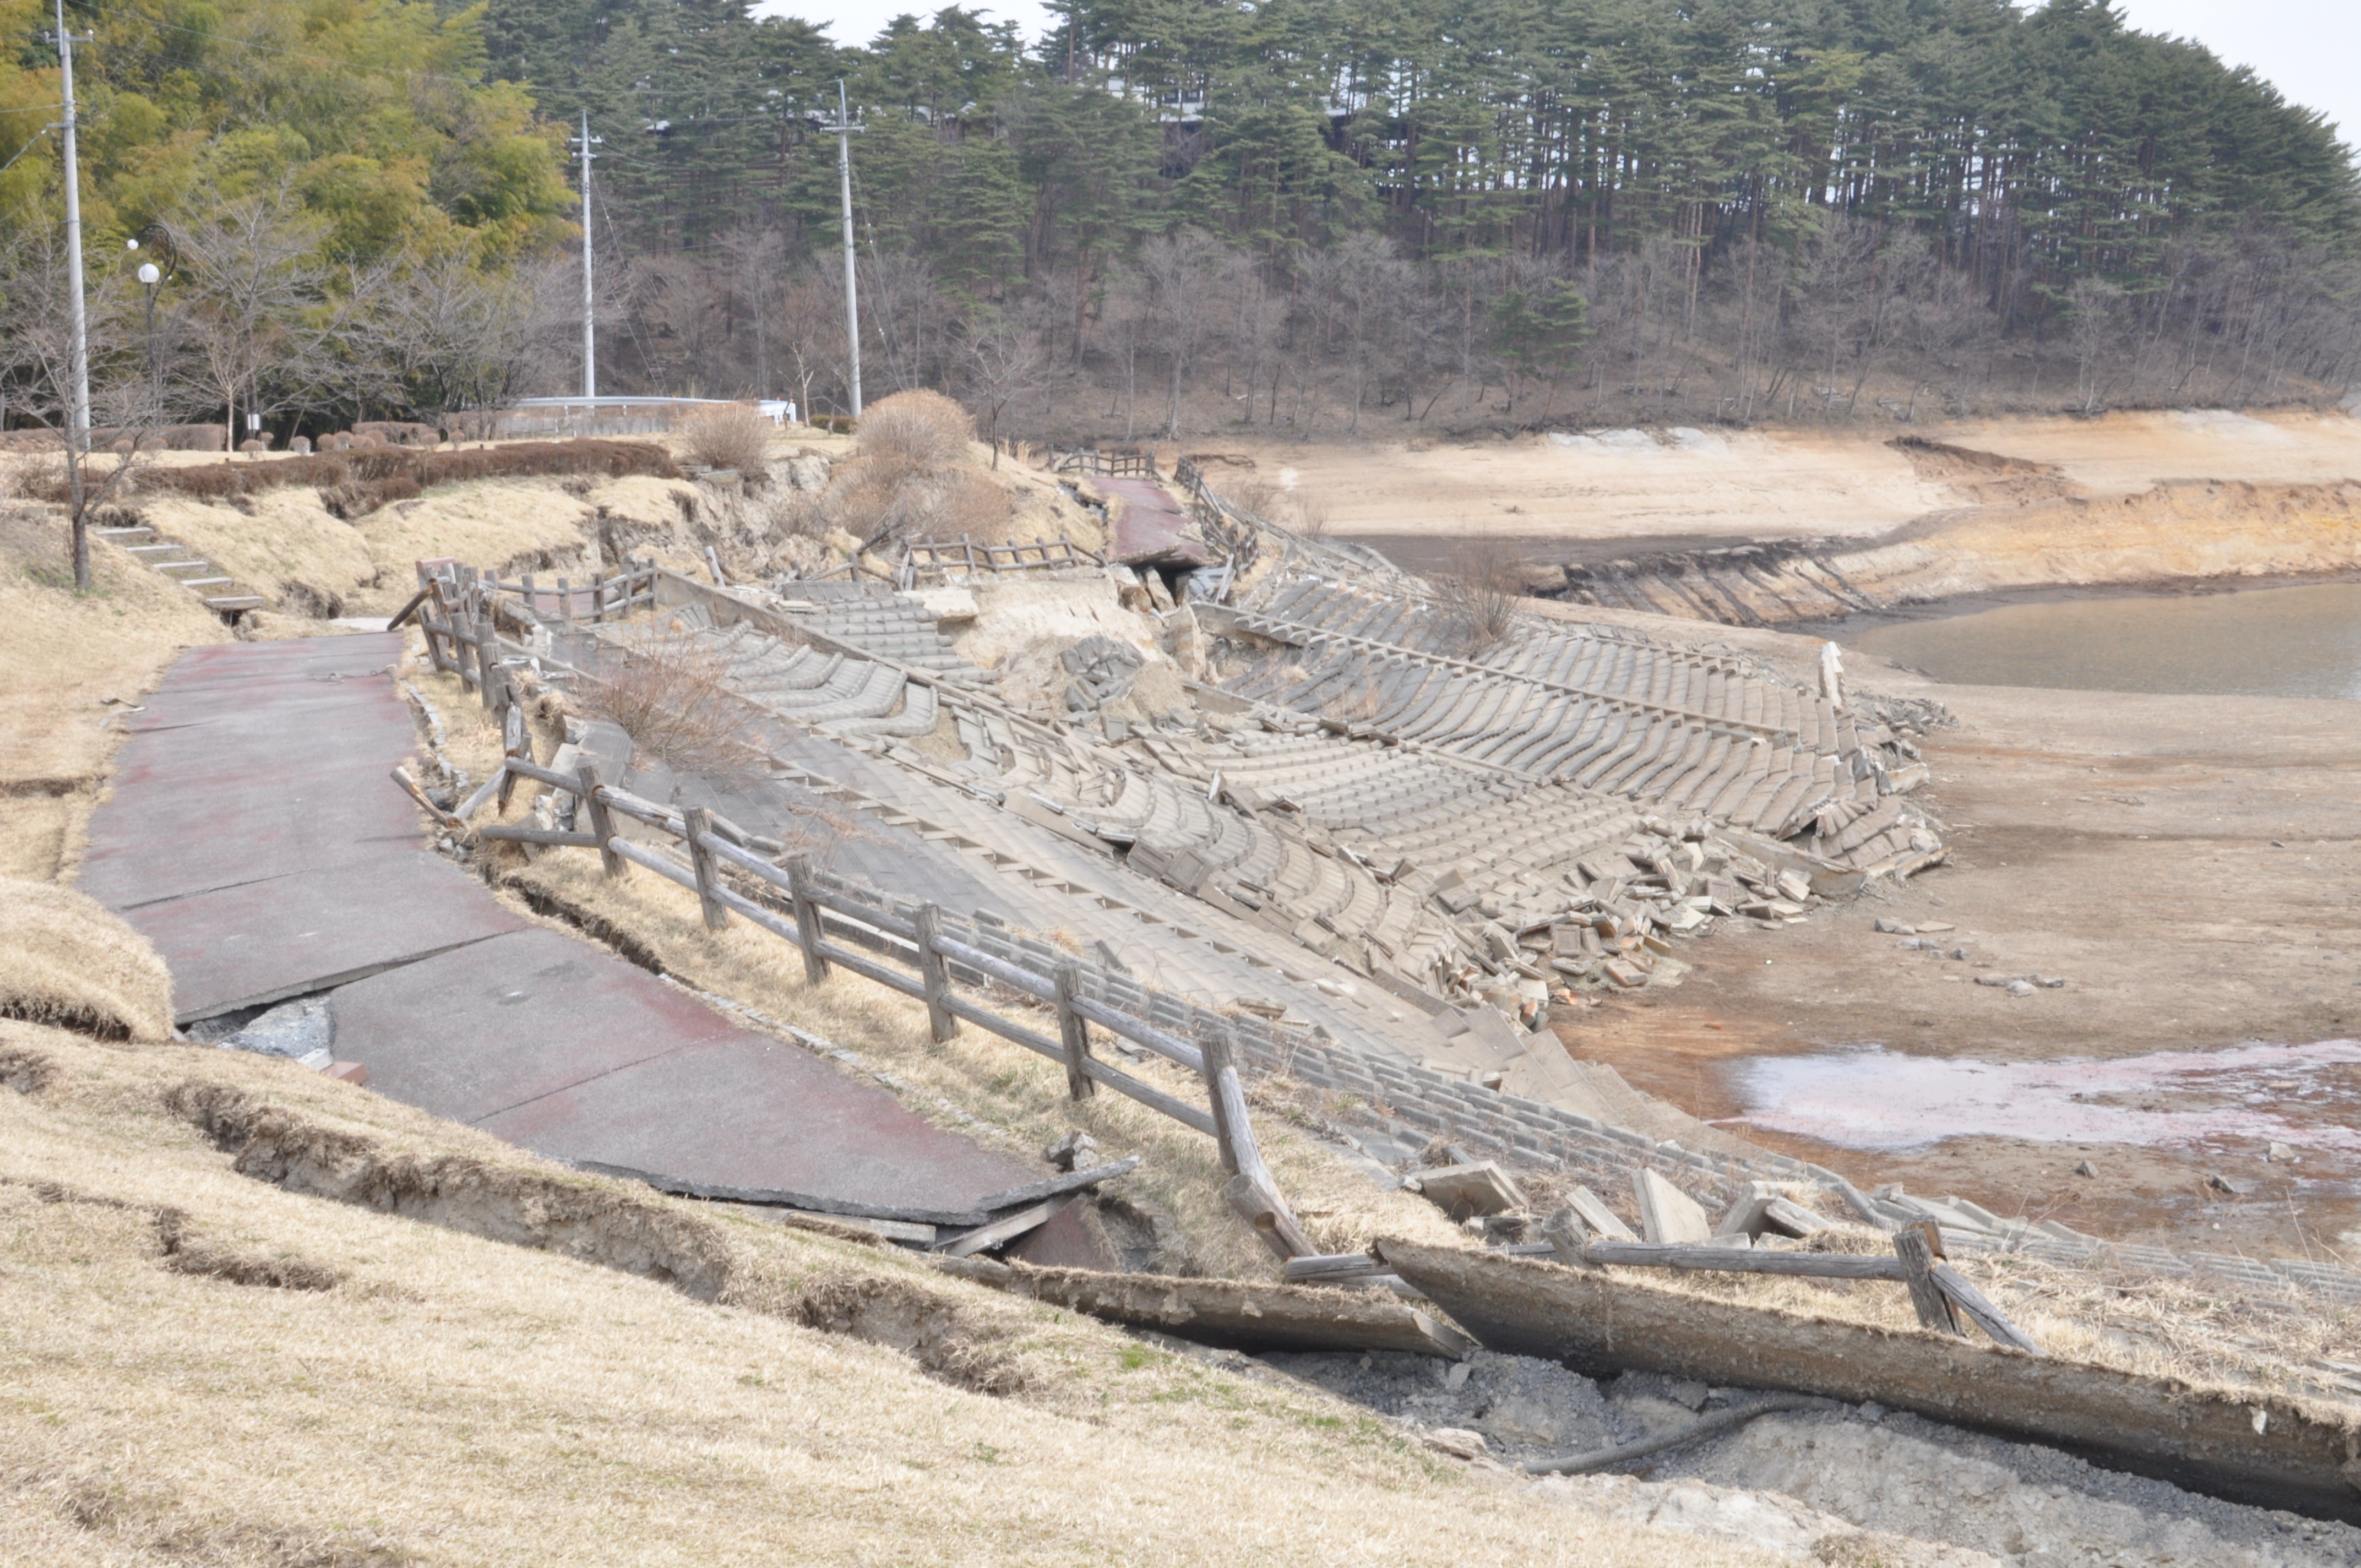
(222, 593)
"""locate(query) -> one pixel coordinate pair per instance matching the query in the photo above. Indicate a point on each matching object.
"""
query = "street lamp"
(150, 276)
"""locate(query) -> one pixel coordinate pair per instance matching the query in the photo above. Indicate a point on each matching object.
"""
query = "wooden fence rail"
(712, 845)
(1113, 464)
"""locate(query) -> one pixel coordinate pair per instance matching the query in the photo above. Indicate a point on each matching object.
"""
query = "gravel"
(1852, 1484)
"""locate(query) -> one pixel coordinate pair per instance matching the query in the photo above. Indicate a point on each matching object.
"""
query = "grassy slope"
(453, 1399)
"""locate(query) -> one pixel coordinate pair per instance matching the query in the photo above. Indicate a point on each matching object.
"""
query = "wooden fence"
(788, 903)
(1112, 465)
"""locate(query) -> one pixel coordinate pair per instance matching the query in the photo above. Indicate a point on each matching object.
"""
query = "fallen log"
(2251, 1445)
(1233, 1314)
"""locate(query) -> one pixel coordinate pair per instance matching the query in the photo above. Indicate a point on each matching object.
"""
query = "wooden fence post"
(799, 878)
(565, 599)
(602, 822)
(514, 743)
(933, 974)
(700, 822)
(1919, 1246)
(1214, 1044)
(487, 651)
(1074, 1032)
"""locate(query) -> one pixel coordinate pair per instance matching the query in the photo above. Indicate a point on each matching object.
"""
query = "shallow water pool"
(2288, 642)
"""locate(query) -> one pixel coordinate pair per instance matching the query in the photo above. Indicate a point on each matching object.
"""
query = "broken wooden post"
(698, 822)
(513, 738)
(1919, 1246)
(487, 647)
(1074, 1032)
(602, 822)
(799, 880)
(933, 974)
(1214, 1044)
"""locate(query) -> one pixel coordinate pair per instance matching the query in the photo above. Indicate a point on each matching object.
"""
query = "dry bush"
(1313, 516)
(913, 477)
(66, 959)
(1253, 496)
(667, 693)
(1479, 591)
(919, 430)
(732, 436)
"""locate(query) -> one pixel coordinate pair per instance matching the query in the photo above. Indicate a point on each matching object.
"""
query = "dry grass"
(206, 1367)
(668, 694)
(66, 959)
(1480, 592)
(280, 543)
(63, 653)
(732, 436)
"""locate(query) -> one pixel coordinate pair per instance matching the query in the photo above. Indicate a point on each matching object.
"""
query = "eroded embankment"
(2028, 526)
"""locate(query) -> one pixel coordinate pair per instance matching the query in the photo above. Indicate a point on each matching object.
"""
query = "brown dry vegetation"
(667, 692)
(67, 959)
(62, 655)
(732, 436)
(913, 476)
(251, 1317)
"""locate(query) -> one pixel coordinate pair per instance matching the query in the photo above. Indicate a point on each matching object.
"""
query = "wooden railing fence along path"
(962, 555)
(787, 901)
(1108, 464)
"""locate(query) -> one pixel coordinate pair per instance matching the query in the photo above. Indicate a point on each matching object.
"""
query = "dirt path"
(2189, 865)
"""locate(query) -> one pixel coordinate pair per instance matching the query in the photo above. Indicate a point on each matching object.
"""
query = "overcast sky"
(2311, 49)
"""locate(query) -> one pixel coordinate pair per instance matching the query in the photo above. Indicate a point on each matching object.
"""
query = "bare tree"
(128, 396)
(255, 279)
(1174, 272)
(1004, 363)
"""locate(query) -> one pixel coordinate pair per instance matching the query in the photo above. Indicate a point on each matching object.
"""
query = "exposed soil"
(2189, 866)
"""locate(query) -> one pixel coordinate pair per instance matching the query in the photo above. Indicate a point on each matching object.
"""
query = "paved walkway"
(254, 836)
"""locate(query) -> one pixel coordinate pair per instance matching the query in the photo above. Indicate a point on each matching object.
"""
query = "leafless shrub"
(731, 436)
(919, 430)
(1479, 590)
(666, 691)
(1256, 497)
(914, 477)
(1313, 516)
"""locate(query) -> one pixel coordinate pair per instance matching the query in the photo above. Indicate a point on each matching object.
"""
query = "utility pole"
(845, 129)
(586, 141)
(78, 370)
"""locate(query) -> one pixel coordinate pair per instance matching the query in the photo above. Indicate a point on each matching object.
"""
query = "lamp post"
(150, 276)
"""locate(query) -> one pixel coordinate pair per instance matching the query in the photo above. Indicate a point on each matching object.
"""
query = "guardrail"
(789, 902)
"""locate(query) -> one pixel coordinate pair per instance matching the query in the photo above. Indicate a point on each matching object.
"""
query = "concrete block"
(1667, 1213)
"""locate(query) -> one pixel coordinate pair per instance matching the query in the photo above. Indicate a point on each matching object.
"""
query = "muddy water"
(2290, 641)
(2240, 1100)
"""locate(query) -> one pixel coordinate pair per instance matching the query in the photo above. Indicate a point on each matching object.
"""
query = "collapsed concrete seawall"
(2030, 526)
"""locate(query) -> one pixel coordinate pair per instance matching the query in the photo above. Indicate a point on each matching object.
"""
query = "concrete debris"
(1667, 1213)
(1459, 1442)
(2084, 1167)
(1466, 1191)
(1075, 1151)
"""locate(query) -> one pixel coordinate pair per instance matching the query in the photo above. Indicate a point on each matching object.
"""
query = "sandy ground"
(2189, 866)
(1689, 488)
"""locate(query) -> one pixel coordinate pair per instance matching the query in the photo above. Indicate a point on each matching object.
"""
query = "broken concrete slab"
(1667, 1213)
(567, 1050)
(1466, 1191)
